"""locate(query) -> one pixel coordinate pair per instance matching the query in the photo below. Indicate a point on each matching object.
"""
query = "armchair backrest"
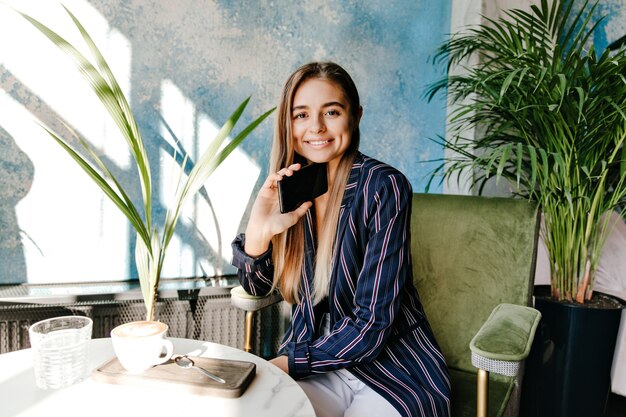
(470, 254)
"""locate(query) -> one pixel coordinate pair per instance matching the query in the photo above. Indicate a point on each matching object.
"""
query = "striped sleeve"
(255, 274)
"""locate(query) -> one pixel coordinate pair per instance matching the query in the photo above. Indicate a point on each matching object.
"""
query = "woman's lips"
(317, 142)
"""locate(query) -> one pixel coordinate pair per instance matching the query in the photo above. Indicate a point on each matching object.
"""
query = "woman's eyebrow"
(334, 103)
(329, 104)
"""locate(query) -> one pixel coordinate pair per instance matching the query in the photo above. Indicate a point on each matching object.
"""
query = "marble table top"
(271, 393)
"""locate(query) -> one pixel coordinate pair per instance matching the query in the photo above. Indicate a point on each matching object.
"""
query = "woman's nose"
(317, 125)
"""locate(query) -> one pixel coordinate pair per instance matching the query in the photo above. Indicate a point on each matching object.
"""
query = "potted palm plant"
(152, 242)
(552, 115)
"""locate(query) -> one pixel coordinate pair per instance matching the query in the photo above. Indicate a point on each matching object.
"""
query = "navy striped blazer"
(378, 327)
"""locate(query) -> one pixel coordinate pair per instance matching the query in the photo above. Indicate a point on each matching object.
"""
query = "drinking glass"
(60, 350)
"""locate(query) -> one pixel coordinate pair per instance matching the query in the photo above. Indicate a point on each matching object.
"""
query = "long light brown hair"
(288, 247)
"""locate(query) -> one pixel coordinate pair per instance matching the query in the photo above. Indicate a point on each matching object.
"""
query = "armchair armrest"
(241, 299)
(251, 304)
(505, 339)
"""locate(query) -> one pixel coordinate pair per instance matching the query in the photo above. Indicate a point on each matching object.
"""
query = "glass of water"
(60, 350)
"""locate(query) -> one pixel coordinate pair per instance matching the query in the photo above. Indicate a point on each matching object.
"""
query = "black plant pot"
(568, 370)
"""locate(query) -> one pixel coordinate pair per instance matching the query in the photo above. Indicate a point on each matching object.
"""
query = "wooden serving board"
(237, 374)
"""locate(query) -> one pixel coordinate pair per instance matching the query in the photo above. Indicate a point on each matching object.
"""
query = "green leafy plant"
(151, 244)
(551, 112)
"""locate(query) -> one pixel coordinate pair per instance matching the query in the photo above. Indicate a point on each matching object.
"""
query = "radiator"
(189, 314)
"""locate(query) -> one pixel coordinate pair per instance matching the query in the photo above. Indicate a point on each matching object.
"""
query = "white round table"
(272, 393)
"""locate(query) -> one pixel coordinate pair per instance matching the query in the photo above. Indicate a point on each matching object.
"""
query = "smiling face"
(321, 122)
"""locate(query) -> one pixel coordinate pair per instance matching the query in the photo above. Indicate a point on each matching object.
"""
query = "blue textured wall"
(612, 27)
(185, 66)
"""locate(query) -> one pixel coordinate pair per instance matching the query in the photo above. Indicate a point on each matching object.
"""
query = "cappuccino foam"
(139, 329)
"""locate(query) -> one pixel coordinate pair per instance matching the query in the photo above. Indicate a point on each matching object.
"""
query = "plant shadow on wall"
(551, 112)
(195, 237)
(15, 269)
(151, 242)
(16, 178)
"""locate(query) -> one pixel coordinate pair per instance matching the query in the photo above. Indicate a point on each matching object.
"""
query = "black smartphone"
(306, 184)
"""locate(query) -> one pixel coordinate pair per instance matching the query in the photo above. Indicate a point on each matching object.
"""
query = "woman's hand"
(282, 363)
(266, 220)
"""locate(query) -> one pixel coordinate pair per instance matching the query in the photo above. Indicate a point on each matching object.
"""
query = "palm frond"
(551, 115)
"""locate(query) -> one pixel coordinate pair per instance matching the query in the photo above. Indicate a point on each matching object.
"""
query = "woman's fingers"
(273, 178)
(288, 171)
(302, 209)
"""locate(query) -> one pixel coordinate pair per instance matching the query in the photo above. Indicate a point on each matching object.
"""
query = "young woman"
(358, 342)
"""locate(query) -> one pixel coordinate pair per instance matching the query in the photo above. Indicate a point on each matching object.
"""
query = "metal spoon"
(185, 362)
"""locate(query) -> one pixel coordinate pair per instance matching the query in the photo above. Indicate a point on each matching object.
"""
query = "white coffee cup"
(139, 345)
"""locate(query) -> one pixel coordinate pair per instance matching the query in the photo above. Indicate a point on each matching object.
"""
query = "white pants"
(341, 394)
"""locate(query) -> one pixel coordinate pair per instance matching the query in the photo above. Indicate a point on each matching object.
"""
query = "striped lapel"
(348, 198)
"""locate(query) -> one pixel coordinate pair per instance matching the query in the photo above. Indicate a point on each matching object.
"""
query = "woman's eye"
(299, 116)
(332, 113)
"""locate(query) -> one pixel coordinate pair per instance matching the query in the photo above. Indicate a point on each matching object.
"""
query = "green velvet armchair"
(473, 266)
